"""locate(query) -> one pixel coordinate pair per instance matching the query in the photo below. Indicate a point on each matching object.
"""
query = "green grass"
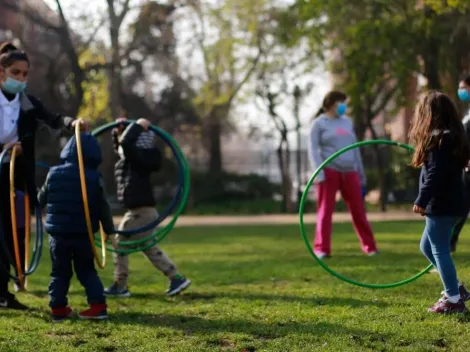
(257, 289)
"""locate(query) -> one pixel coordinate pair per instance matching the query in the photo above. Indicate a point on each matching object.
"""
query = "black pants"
(458, 228)
(7, 230)
(65, 252)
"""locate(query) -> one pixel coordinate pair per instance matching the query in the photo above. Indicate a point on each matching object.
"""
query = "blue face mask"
(341, 109)
(13, 86)
(463, 95)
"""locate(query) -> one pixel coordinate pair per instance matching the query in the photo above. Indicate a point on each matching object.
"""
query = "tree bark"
(380, 167)
(214, 131)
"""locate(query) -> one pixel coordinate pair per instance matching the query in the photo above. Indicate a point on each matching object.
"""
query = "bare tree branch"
(385, 100)
(123, 13)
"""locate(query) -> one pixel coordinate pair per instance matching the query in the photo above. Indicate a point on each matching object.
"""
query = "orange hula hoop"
(16, 246)
(101, 263)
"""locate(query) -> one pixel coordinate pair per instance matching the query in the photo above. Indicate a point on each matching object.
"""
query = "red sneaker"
(444, 306)
(96, 312)
(61, 313)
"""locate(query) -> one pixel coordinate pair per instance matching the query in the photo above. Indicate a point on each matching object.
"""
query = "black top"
(31, 110)
(441, 187)
(132, 171)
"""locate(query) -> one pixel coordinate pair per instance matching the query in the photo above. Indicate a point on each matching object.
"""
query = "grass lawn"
(257, 289)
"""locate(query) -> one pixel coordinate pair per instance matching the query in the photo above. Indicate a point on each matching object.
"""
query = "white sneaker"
(322, 255)
(373, 253)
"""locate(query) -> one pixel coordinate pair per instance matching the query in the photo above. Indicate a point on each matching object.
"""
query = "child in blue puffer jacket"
(69, 242)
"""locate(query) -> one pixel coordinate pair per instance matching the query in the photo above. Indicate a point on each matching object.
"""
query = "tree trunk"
(214, 129)
(115, 74)
(286, 182)
(431, 50)
(380, 169)
(280, 158)
(215, 150)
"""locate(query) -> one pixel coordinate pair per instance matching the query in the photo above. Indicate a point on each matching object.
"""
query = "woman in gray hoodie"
(330, 132)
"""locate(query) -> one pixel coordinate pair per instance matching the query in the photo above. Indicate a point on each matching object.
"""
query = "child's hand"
(19, 150)
(419, 210)
(84, 126)
(144, 123)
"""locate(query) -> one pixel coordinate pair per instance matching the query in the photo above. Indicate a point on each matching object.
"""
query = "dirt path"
(278, 219)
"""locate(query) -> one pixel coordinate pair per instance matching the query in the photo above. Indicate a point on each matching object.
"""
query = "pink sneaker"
(444, 306)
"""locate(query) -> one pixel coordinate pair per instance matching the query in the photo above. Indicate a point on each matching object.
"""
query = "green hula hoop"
(304, 232)
(134, 246)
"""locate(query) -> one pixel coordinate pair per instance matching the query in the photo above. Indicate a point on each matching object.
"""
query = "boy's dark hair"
(434, 114)
(331, 99)
(9, 54)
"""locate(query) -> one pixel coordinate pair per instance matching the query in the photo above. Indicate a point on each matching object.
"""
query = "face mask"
(341, 109)
(13, 86)
(463, 95)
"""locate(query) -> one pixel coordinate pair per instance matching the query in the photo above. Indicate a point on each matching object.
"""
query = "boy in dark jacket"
(138, 158)
(65, 222)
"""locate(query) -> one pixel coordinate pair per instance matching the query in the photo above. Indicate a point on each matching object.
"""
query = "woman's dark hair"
(9, 54)
(331, 99)
(7, 47)
(434, 114)
(465, 78)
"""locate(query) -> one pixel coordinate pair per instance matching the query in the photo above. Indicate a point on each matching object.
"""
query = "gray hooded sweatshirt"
(327, 136)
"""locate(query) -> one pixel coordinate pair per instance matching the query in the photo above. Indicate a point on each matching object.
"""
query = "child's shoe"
(177, 285)
(444, 306)
(322, 255)
(60, 314)
(464, 294)
(117, 290)
(96, 312)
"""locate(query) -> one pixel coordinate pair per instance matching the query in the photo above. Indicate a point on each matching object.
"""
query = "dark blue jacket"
(62, 193)
(441, 187)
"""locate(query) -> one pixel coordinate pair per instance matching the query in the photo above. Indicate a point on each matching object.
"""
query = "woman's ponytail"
(319, 112)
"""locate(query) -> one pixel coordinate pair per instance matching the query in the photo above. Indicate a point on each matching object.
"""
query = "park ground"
(256, 288)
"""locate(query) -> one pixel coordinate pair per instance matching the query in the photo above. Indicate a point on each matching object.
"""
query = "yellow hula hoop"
(16, 245)
(101, 263)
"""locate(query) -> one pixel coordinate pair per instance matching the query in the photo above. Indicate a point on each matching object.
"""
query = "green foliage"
(211, 188)
(95, 105)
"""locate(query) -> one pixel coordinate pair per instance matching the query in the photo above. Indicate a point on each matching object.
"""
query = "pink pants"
(349, 184)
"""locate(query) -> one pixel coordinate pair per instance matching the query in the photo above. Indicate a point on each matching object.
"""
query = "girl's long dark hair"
(331, 99)
(434, 114)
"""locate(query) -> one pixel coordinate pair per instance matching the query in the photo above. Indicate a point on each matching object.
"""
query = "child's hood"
(90, 149)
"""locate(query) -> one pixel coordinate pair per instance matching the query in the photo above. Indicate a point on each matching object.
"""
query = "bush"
(213, 188)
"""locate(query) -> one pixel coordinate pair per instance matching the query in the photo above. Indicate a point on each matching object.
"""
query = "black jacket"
(31, 111)
(441, 188)
(132, 171)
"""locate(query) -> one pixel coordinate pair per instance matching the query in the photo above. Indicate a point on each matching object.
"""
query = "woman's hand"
(419, 210)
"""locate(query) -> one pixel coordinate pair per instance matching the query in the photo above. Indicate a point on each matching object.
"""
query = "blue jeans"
(435, 245)
(64, 252)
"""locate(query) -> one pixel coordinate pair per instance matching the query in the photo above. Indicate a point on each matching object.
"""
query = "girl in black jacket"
(19, 113)
(442, 152)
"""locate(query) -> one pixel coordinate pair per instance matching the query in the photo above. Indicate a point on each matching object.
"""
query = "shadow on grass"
(194, 325)
(313, 301)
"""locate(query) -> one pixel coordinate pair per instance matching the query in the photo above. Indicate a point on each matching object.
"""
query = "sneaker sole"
(179, 289)
(63, 319)
(104, 317)
(120, 295)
